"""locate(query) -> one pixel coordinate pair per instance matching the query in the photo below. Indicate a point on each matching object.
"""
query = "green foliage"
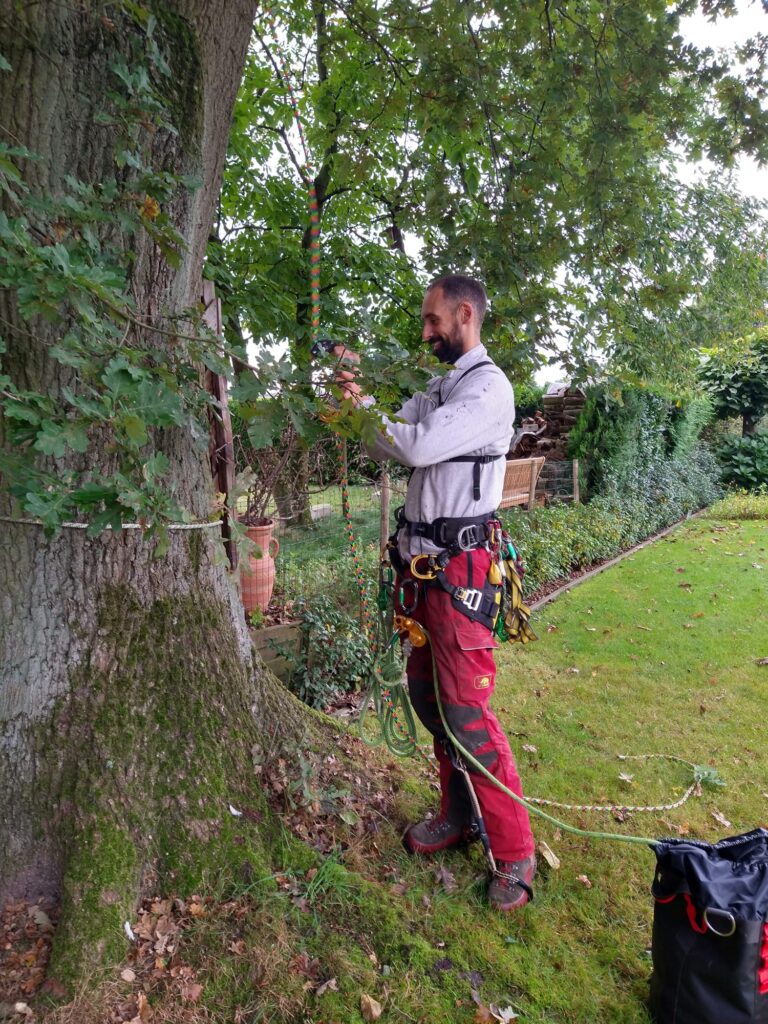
(528, 398)
(736, 376)
(741, 505)
(744, 461)
(67, 256)
(627, 435)
(335, 654)
(532, 151)
(543, 165)
(559, 540)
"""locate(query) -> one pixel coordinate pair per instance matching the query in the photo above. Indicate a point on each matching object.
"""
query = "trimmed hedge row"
(559, 540)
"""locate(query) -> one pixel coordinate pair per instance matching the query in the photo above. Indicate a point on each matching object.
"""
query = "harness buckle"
(469, 597)
(467, 538)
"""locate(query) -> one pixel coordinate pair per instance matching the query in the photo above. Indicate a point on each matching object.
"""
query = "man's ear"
(465, 312)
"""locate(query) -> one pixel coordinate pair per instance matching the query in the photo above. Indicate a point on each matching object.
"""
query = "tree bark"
(130, 704)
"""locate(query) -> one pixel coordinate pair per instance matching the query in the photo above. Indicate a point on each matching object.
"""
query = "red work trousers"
(466, 674)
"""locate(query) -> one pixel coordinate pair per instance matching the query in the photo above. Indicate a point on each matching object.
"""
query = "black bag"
(710, 936)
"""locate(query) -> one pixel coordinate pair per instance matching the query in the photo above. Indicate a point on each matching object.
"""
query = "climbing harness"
(499, 603)
(476, 460)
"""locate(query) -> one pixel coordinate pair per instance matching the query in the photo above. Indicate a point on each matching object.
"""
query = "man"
(454, 438)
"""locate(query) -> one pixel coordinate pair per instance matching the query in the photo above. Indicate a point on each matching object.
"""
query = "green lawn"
(656, 655)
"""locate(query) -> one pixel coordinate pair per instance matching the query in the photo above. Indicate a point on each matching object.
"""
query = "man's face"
(442, 326)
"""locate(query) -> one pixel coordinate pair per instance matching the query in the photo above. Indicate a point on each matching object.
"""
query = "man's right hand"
(345, 376)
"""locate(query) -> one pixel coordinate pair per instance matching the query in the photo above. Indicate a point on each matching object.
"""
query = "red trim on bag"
(691, 911)
(665, 899)
(762, 974)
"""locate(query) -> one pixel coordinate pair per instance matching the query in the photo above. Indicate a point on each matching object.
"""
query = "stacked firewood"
(546, 432)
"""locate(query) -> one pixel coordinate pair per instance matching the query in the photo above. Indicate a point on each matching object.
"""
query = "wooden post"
(576, 498)
(532, 484)
(221, 446)
(384, 509)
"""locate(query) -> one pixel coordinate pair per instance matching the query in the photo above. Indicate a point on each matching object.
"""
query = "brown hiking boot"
(510, 887)
(433, 835)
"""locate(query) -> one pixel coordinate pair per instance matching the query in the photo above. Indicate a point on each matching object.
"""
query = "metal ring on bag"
(719, 913)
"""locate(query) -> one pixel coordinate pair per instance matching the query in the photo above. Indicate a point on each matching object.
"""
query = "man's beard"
(448, 347)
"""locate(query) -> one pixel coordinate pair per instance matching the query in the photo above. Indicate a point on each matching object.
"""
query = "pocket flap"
(474, 636)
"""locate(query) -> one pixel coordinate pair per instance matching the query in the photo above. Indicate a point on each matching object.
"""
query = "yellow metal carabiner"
(421, 575)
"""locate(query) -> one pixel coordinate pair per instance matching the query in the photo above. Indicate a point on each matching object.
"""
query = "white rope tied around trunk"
(124, 526)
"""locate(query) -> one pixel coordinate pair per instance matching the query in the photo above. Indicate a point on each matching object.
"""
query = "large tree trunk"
(129, 701)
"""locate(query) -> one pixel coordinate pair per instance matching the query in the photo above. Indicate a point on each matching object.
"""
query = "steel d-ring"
(726, 915)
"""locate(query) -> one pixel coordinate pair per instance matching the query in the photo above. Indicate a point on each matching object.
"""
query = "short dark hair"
(461, 288)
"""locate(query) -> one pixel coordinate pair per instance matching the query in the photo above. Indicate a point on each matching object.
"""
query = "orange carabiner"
(404, 624)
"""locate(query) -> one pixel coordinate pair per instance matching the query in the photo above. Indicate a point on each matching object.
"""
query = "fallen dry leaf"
(128, 975)
(721, 819)
(551, 858)
(762, 661)
(584, 881)
(482, 1015)
(191, 991)
(529, 748)
(328, 986)
(504, 1014)
(370, 1009)
(446, 878)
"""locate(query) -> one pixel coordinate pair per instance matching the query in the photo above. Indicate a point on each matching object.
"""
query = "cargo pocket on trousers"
(474, 636)
(475, 668)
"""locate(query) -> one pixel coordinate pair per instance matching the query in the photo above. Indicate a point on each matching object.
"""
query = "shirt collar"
(470, 358)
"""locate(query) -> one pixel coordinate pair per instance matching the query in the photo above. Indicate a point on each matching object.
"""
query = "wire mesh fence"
(304, 498)
(316, 552)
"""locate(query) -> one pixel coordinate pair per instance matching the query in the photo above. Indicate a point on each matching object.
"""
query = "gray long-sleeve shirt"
(455, 416)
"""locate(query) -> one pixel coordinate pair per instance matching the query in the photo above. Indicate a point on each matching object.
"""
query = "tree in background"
(531, 146)
(736, 377)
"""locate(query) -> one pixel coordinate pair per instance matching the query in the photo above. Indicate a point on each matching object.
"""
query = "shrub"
(741, 505)
(628, 435)
(744, 461)
(557, 541)
(335, 653)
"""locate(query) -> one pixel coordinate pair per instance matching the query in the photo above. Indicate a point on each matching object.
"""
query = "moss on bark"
(157, 744)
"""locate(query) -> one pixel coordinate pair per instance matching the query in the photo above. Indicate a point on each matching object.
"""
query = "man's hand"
(345, 375)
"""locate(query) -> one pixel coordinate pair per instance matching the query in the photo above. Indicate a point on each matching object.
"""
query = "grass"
(657, 655)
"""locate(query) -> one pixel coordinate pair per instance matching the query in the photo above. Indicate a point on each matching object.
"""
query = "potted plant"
(259, 469)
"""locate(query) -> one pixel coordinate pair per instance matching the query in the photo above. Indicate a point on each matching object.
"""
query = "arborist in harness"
(455, 437)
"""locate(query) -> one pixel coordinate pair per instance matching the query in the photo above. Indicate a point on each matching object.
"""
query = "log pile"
(546, 433)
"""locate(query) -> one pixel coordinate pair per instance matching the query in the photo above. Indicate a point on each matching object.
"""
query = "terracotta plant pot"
(257, 576)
